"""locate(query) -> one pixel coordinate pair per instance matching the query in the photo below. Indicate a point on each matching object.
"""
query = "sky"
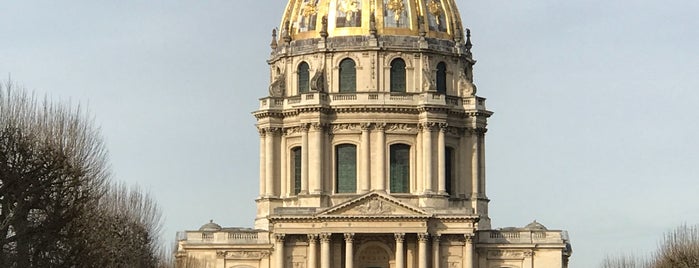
(595, 104)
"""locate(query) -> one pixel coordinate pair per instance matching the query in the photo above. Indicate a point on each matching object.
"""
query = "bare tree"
(678, 249)
(122, 230)
(53, 165)
(58, 206)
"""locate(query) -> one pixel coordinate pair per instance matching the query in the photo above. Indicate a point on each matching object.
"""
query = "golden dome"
(305, 19)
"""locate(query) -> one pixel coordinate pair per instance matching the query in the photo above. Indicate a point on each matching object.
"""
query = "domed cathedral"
(372, 150)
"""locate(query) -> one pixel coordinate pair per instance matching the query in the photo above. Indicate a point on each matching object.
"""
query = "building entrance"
(375, 255)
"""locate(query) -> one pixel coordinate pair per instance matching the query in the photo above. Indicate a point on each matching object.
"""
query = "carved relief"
(375, 206)
(246, 255)
(318, 79)
(402, 128)
(505, 254)
(344, 128)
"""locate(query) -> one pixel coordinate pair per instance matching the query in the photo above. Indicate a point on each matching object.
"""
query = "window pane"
(398, 75)
(346, 168)
(348, 76)
(442, 77)
(448, 169)
(303, 77)
(296, 158)
(400, 168)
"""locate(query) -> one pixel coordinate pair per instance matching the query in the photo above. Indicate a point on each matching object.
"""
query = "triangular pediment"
(374, 205)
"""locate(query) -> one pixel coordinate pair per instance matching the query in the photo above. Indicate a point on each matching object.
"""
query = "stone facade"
(372, 150)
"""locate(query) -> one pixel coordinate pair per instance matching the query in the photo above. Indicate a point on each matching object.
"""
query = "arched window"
(449, 170)
(346, 168)
(296, 168)
(398, 75)
(399, 168)
(442, 78)
(348, 76)
(304, 77)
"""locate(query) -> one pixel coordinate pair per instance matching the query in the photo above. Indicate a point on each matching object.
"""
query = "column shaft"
(427, 157)
(325, 250)
(441, 161)
(422, 250)
(269, 155)
(312, 250)
(475, 167)
(381, 158)
(304, 159)
(263, 160)
(283, 172)
(349, 250)
(400, 251)
(468, 251)
(365, 184)
(435, 252)
(316, 168)
(279, 250)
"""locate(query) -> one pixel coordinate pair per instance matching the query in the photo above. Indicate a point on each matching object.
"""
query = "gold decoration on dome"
(349, 7)
(435, 8)
(397, 6)
(309, 10)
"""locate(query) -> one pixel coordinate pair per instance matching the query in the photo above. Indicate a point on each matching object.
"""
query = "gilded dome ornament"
(435, 9)
(397, 7)
(351, 10)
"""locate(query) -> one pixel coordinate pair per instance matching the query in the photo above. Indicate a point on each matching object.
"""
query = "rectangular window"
(346, 168)
(400, 168)
(296, 157)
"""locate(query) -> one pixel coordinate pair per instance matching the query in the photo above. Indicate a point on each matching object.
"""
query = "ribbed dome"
(305, 19)
(210, 227)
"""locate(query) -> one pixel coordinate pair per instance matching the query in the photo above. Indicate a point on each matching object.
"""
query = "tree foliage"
(678, 249)
(58, 206)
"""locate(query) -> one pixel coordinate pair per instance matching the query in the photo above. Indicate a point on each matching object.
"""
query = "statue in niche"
(427, 77)
(318, 79)
(466, 87)
(278, 86)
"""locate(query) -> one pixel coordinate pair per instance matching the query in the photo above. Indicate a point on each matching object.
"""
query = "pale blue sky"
(595, 105)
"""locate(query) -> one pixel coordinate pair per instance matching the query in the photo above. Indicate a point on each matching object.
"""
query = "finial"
(372, 24)
(324, 27)
(286, 33)
(273, 45)
(469, 45)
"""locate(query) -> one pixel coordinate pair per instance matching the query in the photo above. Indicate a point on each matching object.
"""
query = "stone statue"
(278, 86)
(318, 79)
(427, 77)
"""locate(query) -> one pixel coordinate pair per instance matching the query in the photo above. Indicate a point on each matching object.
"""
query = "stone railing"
(372, 98)
(224, 237)
(520, 236)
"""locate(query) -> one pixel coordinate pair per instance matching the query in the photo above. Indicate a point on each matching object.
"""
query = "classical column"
(312, 250)
(427, 156)
(422, 249)
(269, 155)
(475, 166)
(400, 252)
(263, 159)
(349, 250)
(365, 179)
(436, 257)
(468, 251)
(279, 250)
(481, 150)
(283, 171)
(441, 160)
(381, 157)
(325, 250)
(315, 182)
(304, 159)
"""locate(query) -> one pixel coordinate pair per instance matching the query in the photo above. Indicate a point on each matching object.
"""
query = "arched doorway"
(373, 255)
